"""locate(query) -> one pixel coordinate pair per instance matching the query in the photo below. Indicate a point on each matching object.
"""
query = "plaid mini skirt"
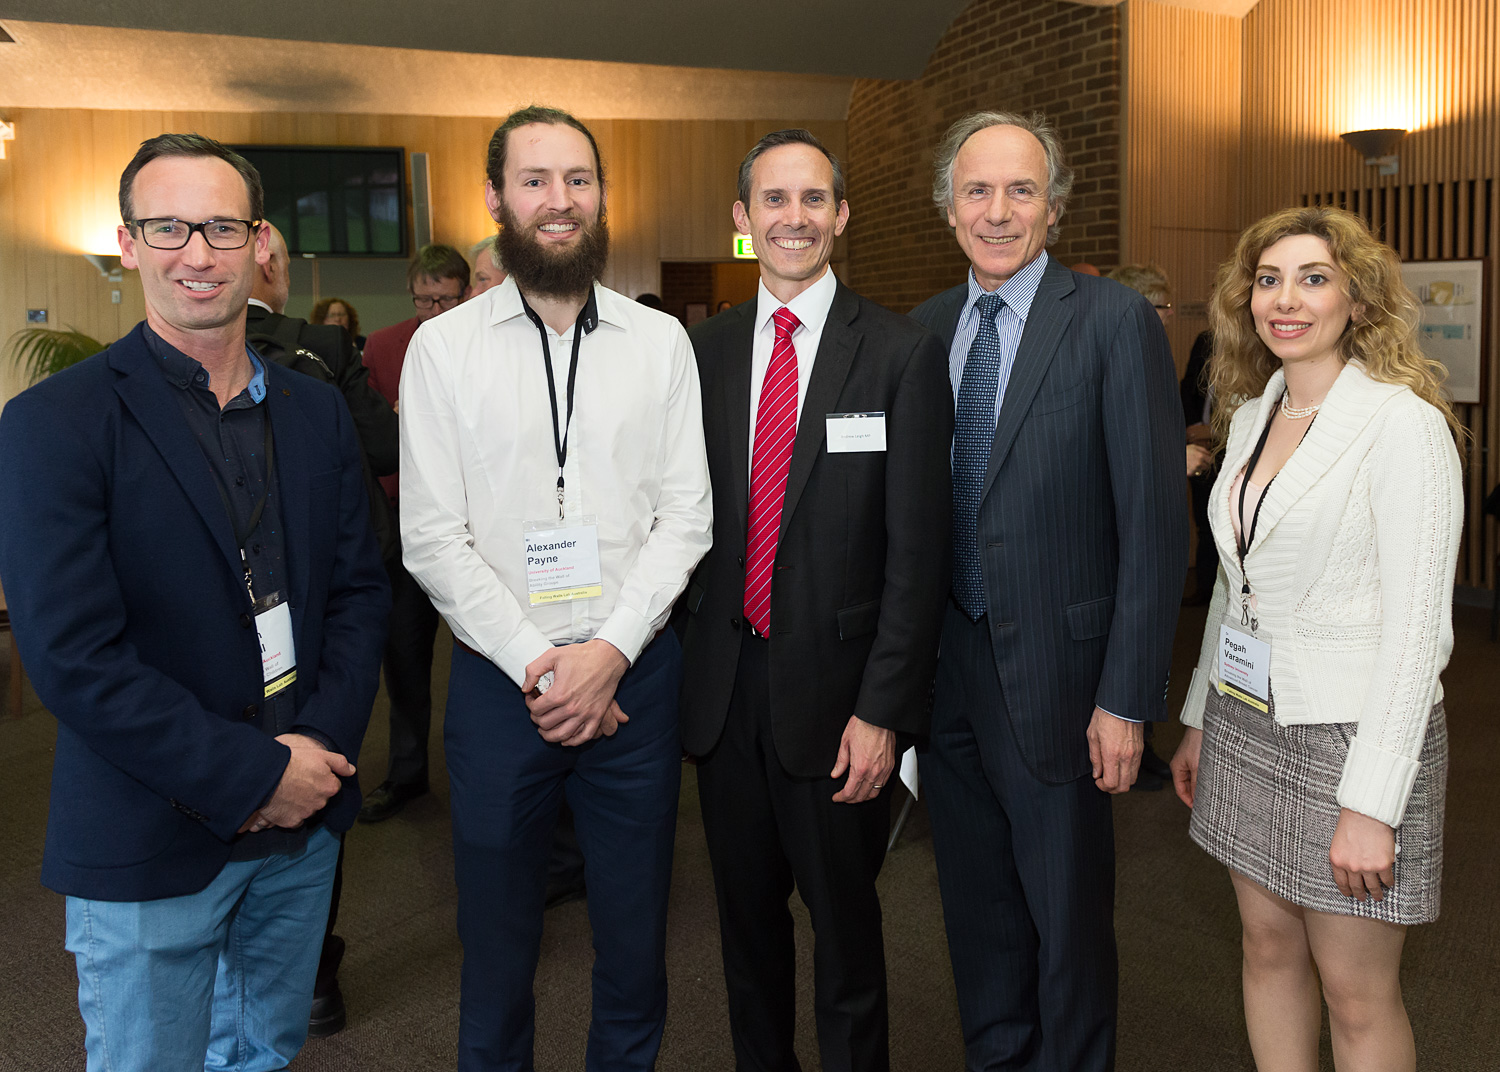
(1265, 807)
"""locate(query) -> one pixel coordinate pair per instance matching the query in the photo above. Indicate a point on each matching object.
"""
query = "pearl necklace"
(1293, 413)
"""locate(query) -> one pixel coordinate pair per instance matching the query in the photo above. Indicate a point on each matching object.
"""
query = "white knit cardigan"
(1352, 567)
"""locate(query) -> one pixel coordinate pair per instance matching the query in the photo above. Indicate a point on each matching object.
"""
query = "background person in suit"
(147, 539)
(795, 689)
(1070, 535)
(326, 352)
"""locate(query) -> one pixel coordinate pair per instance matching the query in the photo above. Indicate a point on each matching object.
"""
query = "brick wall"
(1062, 59)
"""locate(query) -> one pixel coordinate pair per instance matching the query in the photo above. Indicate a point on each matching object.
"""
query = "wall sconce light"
(108, 265)
(1375, 146)
(7, 133)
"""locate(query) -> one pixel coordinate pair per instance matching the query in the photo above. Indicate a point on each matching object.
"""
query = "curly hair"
(320, 315)
(1383, 335)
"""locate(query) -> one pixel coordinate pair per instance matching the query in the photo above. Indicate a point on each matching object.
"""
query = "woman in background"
(337, 311)
(1316, 758)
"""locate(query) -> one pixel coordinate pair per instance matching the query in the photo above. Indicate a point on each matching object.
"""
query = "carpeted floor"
(1178, 930)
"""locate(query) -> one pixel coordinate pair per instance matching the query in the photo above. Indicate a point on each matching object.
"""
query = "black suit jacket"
(1083, 521)
(862, 557)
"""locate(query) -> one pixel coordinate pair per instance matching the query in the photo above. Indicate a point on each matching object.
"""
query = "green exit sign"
(743, 250)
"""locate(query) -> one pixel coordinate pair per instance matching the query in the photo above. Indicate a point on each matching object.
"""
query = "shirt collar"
(1017, 292)
(263, 305)
(810, 307)
(182, 370)
(506, 304)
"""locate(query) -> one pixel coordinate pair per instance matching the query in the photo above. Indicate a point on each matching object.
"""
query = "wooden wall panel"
(1181, 143)
(671, 185)
(1316, 68)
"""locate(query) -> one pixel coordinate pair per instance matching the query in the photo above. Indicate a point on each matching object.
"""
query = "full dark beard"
(550, 273)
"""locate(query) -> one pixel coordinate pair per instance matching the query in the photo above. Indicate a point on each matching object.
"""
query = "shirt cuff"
(1122, 718)
(626, 630)
(1376, 783)
(1197, 699)
(524, 649)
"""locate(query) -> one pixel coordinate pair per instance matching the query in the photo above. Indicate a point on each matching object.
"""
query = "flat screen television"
(334, 201)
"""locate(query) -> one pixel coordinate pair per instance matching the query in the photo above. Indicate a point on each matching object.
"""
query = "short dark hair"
(778, 138)
(188, 145)
(437, 262)
(494, 164)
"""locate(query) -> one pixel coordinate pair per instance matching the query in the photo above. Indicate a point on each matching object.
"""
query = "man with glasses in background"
(438, 279)
(186, 546)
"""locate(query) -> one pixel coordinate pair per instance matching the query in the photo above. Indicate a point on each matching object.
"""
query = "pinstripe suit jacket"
(1083, 520)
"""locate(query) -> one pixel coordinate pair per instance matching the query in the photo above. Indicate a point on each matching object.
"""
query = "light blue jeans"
(220, 979)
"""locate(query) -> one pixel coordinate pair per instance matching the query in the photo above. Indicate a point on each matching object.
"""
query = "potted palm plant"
(39, 352)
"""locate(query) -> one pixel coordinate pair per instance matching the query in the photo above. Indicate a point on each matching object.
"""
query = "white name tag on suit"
(1245, 667)
(562, 561)
(856, 433)
(278, 652)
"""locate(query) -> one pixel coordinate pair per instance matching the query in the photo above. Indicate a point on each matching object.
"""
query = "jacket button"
(244, 621)
(250, 712)
(734, 623)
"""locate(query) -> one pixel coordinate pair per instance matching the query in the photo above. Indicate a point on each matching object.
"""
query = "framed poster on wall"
(1452, 297)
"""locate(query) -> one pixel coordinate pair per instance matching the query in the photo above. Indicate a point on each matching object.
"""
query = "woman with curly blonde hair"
(1316, 756)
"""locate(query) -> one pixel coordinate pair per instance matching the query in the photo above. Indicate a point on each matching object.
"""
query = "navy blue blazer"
(1083, 523)
(125, 591)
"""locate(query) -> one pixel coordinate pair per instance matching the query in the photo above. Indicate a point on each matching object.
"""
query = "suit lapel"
(1350, 404)
(945, 322)
(734, 400)
(1045, 324)
(147, 395)
(830, 369)
(291, 482)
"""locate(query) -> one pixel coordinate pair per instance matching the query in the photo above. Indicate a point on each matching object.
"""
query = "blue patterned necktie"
(973, 435)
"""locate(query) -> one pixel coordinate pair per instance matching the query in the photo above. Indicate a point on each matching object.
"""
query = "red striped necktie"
(775, 432)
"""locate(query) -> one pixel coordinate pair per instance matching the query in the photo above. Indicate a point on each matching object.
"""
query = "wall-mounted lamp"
(108, 265)
(7, 133)
(1375, 146)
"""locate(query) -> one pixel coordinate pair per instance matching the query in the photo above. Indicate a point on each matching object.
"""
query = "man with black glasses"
(187, 553)
(438, 279)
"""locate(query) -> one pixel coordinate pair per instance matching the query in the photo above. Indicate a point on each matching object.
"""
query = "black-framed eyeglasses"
(1163, 307)
(164, 233)
(422, 302)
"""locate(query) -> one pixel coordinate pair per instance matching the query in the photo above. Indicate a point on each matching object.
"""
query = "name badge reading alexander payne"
(1245, 668)
(562, 561)
(278, 653)
(855, 433)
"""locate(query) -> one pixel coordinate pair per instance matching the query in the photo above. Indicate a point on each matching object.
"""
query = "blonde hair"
(1383, 336)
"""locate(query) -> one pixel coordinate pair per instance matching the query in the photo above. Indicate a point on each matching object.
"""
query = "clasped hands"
(580, 704)
(307, 785)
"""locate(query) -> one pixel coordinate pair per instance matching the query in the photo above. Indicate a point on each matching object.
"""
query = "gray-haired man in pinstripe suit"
(1070, 545)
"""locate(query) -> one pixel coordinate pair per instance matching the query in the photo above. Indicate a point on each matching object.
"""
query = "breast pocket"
(1064, 398)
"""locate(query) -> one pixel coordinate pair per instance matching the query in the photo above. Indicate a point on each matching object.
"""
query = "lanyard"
(240, 536)
(588, 320)
(1247, 534)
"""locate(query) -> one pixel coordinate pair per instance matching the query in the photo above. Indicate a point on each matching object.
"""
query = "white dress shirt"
(811, 308)
(478, 461)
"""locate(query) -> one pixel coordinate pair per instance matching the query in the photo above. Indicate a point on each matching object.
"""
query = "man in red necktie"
(814, 619)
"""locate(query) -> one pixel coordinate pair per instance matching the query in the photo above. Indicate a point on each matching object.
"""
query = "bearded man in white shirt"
(555, 499)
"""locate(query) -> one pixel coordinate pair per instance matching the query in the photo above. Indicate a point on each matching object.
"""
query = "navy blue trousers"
(1027, 873)
(507, 784)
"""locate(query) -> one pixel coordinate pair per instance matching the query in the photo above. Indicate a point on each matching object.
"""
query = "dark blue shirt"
(233, 441)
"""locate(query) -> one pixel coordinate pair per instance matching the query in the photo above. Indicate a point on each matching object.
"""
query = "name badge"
(1245, 668)
(562, 561)
(855, 433)
(278, 653)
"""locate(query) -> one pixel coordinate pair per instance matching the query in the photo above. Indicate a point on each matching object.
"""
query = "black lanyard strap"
(588, 320)
(241, 535)
(1247, 534)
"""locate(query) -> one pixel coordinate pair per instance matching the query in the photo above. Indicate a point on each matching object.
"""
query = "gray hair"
(492, 243)
(1147, 280)
(1059, 175)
